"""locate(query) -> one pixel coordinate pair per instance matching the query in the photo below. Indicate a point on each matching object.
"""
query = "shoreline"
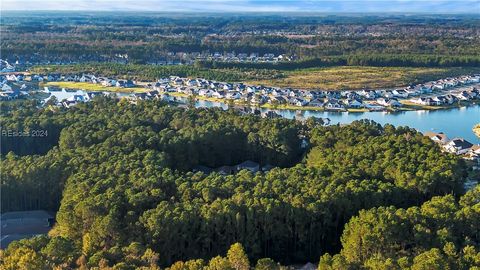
(407, 105)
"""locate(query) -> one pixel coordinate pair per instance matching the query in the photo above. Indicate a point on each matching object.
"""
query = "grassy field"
(93, 87)
(351, 77)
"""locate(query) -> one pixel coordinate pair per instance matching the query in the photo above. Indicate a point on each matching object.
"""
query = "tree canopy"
(120, 176)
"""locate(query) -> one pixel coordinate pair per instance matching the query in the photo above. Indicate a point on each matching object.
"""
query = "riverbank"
(266, 105)
(406, 105)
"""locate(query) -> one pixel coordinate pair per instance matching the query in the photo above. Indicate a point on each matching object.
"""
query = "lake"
(456, 122)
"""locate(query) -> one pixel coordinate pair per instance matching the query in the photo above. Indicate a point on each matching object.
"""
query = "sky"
(336, 6)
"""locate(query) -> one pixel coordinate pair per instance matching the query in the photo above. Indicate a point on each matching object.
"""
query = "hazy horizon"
(256, 6)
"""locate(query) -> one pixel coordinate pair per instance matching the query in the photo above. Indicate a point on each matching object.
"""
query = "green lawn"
(93, 87)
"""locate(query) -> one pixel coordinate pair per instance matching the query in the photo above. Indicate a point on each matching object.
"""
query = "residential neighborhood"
(438, 93)
(170, 58)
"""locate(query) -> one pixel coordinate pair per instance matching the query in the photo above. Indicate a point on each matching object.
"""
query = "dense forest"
(120, 176)
(314, 40)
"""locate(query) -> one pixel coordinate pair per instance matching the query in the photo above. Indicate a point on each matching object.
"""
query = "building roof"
(436, 136)
(248, 164)
(24, 224)
(461, 143)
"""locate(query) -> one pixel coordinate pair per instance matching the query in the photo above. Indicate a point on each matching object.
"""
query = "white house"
(458, 146)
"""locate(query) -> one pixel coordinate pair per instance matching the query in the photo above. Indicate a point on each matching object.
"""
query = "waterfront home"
(389, 102)
(334, 105)
(152, 94)
(428, 101)
(439, 137)
(464, 95)
(474, 93)
(458, 146)
(91, 95)
(474, 153)
(451, 99)
(299, 102)
(353, 103)
(271, 115)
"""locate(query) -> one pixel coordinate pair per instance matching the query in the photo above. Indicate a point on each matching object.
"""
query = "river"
(457, 122)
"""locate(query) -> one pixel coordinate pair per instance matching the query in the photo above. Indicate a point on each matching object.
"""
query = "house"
(424, 101)
(439, 138)
(258, 99)
(271, 115)
(474, 153)
(205, 93)
(233, 95)
(218, 94)
(37, 78)
(10, 94)
(153, 94)
(464, 95)
(6, 87)
(390, 102)
(388, 94)
(248, 165)
(458, 146)
(315, 102)
(353, 103)
(69, 103)
(91, 95)
(24, 224)
(297, 102)
(333, 104)
(277, 100)
(368, 94)
(226, 170)
(400, 93)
